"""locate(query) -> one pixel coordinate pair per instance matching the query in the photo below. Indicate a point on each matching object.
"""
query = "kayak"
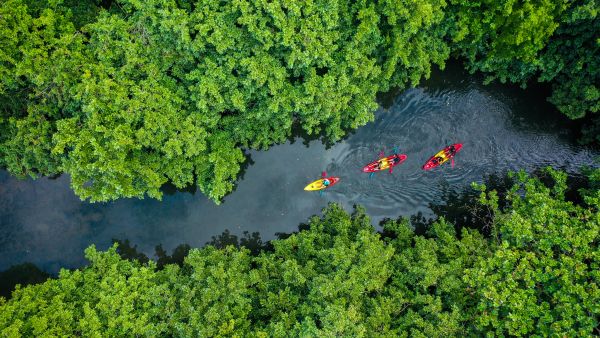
(384, 163)
(318, 184)
(442, 156)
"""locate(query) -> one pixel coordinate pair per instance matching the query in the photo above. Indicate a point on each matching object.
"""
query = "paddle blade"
(381, 154)
(396, 150)
(452, 162)
(391, 169)
(371, 175)
(324, 174)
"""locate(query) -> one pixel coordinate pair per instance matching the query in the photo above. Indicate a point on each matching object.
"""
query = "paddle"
(452, 163)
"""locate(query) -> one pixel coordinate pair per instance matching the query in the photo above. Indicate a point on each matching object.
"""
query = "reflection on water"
(251, 241)
(22, 274)
(459, 207)
(128, 251)
(501, 128)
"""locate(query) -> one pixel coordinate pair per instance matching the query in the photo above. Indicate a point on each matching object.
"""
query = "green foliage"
(168, 91)
(39, 65)
(324, 276)
(26, 149)
(538, 275)
(543, 276)
(572, 62)
(105, 299)
(519, 41)
(503, 38)
(140, 93)
(429, 296)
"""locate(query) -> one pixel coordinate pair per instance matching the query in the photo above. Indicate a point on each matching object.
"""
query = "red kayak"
(443, 156)
(384, 163)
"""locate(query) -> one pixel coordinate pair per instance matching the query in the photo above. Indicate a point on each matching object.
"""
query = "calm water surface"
(502, 128)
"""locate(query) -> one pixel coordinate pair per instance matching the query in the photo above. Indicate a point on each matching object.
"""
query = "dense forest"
(531, 266)
(127, 95)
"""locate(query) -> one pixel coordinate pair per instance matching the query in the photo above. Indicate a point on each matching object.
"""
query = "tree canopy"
(127, 95)
(157, 91)
(547, 41)
(536, 274)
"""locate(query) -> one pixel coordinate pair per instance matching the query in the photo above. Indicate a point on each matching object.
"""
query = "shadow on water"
(176, 257)
(170, 189)
(298, 133)
(44, 223)
(576, 183)
(29, 274)
(23, 274)
(127, 251)
(459, 207)
(251, 241)
(462, 208)
(539, 114)
(453, 75)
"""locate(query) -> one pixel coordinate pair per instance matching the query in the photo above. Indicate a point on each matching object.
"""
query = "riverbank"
(444, 282)
(503, 128)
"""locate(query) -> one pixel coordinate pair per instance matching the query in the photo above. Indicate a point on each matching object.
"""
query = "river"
(502, 128)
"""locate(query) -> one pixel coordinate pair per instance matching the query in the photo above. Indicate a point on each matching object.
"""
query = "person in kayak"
(437, 160)
(382, 164)
(326, 182)
(451, 151)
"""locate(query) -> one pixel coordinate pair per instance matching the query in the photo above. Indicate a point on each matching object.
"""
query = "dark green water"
(502, 128)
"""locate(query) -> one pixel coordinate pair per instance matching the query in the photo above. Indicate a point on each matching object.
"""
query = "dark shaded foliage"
(23, 275)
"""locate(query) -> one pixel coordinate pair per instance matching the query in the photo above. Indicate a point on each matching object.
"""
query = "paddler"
(436, 160)
(326, 182)
(382, 164)
(451, 151)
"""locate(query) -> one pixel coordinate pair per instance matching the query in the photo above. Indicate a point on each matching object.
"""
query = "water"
(502, 128)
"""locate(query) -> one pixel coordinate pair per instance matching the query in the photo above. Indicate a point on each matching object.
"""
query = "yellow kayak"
(318, 184)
